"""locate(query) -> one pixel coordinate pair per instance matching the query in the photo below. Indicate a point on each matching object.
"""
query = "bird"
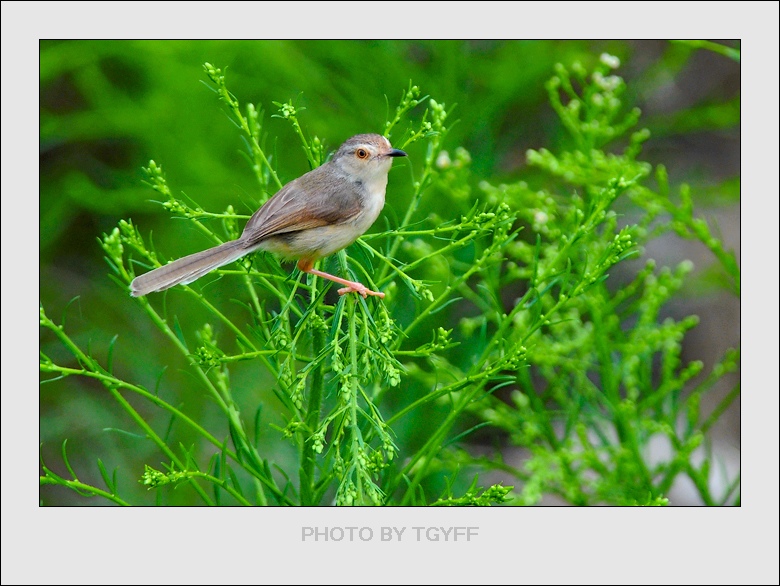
(311, 217)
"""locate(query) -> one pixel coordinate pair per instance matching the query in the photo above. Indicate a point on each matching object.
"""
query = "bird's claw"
(361, 290)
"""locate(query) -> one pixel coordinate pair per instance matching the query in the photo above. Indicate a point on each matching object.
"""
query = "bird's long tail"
(187, 269)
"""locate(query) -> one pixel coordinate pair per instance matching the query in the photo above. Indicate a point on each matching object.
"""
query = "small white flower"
(610, 60)
(443, 160)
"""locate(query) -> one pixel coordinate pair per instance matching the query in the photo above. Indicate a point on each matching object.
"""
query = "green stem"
(223, 484)
(353, 406)
(80, 487)
(312, 420)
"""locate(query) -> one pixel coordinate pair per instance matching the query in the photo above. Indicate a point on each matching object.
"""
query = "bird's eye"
(361, 153)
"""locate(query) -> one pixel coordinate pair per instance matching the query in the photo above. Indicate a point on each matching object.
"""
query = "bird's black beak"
(396, 153)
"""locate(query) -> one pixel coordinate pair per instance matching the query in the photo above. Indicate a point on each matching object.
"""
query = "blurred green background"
(108, 107)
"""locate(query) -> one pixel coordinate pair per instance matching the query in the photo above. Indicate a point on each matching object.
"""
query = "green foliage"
(604, 372)
(500, 316)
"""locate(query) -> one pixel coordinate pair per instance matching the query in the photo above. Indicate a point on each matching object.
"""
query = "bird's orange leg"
(306, 266)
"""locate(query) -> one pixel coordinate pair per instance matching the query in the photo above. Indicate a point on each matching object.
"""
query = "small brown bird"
(311, 217)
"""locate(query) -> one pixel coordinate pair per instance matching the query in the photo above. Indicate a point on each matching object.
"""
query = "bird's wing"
(314, 199)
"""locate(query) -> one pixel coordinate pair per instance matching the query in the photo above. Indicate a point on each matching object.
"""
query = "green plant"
(502, 318)
(603, 373)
